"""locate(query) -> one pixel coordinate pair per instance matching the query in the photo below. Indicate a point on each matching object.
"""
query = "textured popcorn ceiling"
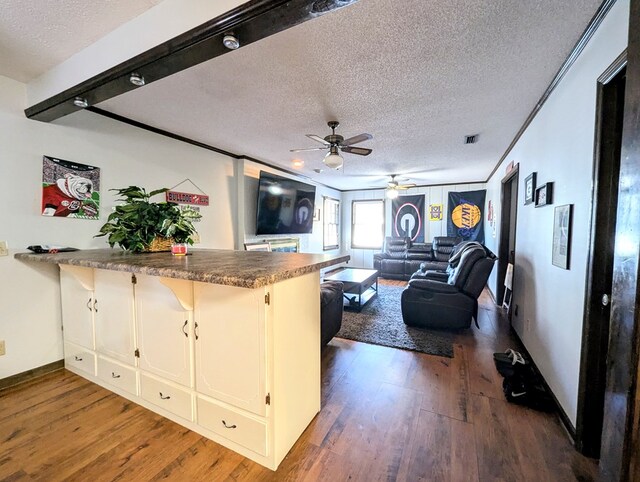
(36, 35)
(416, 74)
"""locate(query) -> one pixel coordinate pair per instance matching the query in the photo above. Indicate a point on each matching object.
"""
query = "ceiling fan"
(394, 186)
(336, 143)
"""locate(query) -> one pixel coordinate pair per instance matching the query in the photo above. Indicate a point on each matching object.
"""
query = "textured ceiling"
(418, 75)
(36, 35)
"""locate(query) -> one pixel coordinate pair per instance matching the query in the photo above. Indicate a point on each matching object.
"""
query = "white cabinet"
(113, 311)
(230, 344)
(79, 358)
(164, 327)
(166, 396)
(77, 306)
(118, 375)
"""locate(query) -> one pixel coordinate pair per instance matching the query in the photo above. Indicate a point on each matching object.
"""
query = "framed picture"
(562, 236)
(257, 246)
(529, 188)
(544, 194)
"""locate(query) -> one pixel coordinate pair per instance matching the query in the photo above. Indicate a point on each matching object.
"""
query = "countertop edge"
(256, 282)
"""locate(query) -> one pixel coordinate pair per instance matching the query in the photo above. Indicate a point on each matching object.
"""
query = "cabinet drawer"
(164, 395)
(233, 425)
(117, 375)
(80, 358)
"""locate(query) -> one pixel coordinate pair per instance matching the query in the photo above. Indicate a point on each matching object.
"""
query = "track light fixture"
(231, 41)
(137, 79)
(81, 102)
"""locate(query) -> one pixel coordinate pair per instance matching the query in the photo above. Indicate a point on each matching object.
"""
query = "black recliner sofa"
(400, 258)
(330, 310)
(452, 303)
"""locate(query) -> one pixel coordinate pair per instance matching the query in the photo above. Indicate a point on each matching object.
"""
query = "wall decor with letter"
(530, 188)
(407, 213)
(562, 236)
(466, 218)
(70, 189)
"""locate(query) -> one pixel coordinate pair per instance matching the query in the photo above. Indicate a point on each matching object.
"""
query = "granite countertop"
(246, 269)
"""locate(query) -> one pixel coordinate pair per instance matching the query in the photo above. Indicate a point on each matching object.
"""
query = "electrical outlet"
(196, 238)
(515, 312)
(527, 325)
(4, 248)
(2, 348)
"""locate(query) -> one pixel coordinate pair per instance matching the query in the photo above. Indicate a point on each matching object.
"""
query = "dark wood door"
(595, 336)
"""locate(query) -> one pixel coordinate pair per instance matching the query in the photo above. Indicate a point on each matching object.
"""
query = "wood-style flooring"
(386, 414)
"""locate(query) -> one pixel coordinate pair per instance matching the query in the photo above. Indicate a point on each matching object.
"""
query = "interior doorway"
(595, 334)
(508, 217)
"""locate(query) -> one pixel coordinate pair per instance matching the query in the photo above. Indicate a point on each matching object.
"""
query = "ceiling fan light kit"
(333, 160)
(392, 193)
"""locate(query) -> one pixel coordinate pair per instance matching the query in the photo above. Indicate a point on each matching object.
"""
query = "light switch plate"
(4, 249)
(2, 348)
(196, 238)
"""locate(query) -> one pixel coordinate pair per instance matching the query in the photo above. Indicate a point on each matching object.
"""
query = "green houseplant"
(140, 225)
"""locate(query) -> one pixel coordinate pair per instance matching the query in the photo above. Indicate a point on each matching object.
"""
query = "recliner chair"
(330, 310)
(452, 303)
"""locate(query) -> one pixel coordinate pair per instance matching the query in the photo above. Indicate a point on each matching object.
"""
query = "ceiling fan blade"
(405, 186)
(318, 139)
(309, 149)
(356, 150)
(356, 139)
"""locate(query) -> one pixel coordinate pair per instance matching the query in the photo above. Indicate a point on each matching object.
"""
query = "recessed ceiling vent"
(471, 139)
(324, 6)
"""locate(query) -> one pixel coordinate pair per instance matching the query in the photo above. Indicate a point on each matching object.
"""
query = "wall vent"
(471, 139)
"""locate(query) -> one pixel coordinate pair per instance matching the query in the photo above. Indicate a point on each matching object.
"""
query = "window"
(367, 219)
(331, 223)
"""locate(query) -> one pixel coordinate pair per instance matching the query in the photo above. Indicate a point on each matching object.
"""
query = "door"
(77, 310)
(595, 335)
(508, 216)
(113, 310)
(230, 344)
(164, 330)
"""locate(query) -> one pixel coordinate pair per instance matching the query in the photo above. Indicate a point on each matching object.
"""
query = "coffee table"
(361, 283)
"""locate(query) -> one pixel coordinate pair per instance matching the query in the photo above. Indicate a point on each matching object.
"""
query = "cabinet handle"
(113, 375)
(162, 397)
(228, 426)
(77, 358)
(89, 304)
(183, 328)
(95, 305)
(195, 330)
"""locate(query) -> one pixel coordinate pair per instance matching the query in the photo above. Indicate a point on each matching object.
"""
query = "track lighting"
(231, 41)
(137, 79)
(81, 102)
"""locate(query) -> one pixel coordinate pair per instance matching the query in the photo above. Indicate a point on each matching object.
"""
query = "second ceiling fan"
(335, 143)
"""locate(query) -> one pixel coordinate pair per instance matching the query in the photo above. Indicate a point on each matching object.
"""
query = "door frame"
(511, 178)
(619, 443)
(595, 335)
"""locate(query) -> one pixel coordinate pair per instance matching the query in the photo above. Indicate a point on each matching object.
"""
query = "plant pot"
(159, 244)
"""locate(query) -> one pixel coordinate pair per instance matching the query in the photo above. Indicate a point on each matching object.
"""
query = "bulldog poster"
(70, 189)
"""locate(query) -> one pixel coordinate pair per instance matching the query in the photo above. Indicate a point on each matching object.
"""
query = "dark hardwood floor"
(386, 414)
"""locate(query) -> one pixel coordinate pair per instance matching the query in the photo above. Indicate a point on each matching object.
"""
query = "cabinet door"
(77, 311)
(114, 315)
(164, 329)
(230, 344)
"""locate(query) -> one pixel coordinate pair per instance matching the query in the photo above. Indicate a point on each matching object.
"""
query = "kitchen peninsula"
(225, 343)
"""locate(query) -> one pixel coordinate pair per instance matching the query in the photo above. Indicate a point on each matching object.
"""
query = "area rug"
(380, 323)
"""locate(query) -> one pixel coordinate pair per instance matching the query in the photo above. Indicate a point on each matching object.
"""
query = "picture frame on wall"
(529, 188)
(544, 195)
(561, 249)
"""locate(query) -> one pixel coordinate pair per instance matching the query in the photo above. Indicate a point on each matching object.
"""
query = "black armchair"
(330, 310)
(452, 303)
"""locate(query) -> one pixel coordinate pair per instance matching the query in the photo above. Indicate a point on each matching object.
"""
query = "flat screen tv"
(285, 206)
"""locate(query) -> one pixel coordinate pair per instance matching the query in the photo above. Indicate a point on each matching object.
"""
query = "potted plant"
(140, 225)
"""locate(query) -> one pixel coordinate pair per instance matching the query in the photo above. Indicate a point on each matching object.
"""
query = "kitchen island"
(226, 343)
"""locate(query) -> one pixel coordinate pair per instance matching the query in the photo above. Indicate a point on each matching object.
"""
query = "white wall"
(363, 258)
(309, 243)
(558, 145)
(29, 292)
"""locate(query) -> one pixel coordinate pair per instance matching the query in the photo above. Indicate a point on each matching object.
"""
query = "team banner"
(466, 218)
(407, 213)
